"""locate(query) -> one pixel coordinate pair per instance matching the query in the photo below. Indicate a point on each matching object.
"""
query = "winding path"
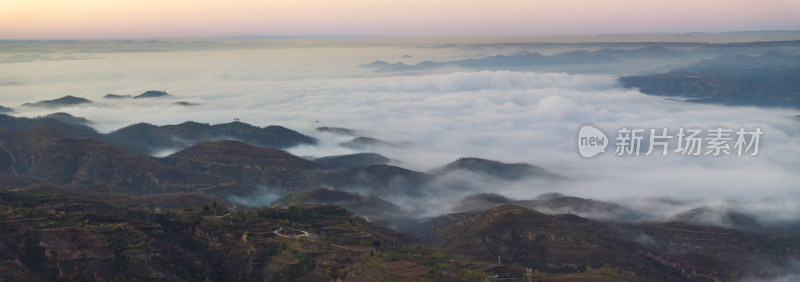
(308, 237)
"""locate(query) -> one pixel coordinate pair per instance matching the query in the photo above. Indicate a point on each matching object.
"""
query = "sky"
(103, 19)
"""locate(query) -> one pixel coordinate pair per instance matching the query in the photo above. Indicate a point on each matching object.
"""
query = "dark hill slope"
(648, 250)
(246, 164)
(372, 208)
(769, 80)
(20, 124)
(51, 237)
(547, 243)
(49, 155)
(378, 180)
(755, 87)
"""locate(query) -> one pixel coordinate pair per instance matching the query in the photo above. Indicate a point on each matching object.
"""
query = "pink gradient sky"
(21, 19)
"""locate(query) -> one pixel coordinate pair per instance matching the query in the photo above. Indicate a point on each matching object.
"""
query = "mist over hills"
(380, 179)
(68, 100)
(352, 160)
(115, 96)
(372, 208)
(337, 130)
(228, 167)
(103, 240)
(552, 233)
(495, 169)
(553, 204)
(364, 142)
(744, 62)
(517, 61)
(180, 193)
(591, 54)
(149, 139)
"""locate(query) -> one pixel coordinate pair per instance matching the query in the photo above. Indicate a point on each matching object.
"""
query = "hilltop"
(151, 94)
(115, 96)
(66, 118)
(352, 160)
(68, 100)
(245, 164)
(153, 138)
(494, 169)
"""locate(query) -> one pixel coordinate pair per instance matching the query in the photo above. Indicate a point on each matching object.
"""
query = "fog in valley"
(443, 100)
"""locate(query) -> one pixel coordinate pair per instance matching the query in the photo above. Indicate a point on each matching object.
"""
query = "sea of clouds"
(510, 116)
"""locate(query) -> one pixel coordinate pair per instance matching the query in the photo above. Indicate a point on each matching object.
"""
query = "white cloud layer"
(502, 115)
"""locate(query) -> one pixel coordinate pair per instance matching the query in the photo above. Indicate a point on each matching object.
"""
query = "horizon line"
(346, 36)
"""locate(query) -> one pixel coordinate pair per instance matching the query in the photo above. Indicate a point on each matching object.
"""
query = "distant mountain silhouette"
(369, 142)
(337, 130)
(5, 110)
(644, 52)
(151, 94)
(67, 118)
(115, 96)
(516, 61)
(495, 169)
(771, 60)
(60, 102)
(353, 160)
(185, 104)
(154, 138)
(528, 60)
